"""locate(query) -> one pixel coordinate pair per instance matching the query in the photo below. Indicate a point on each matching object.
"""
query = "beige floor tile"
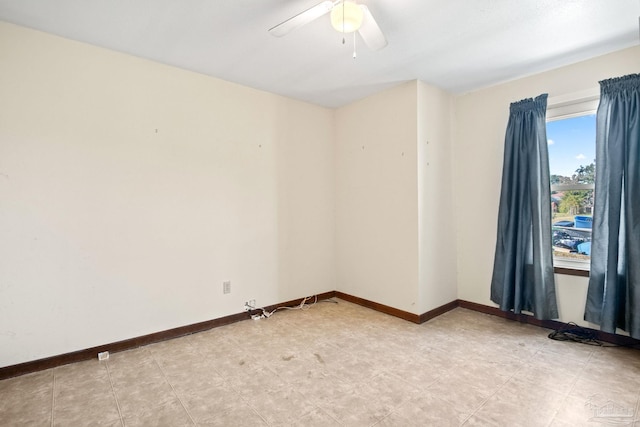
(617, 390)
(77, 374)
(558, 379)
(74, 406)
(206, 405)
(281, 407)
(577, 411)
(389, 390)
(236, 362)
(321, 388)
(170, 414)
(425, 410)
(260, 380)
(315, 418)
(131, 359)
(466, 397)
(478, 421)
(613, 371)
(30, 383)
(72, 393)
(355, 370)
(289, 367)
(213, 343)
(178, 361)
(200, 374)
(624, 356)
(355, 408)
(93, 412)
(14, 399)
(522, 404)
(27, 400)
(25, 416)
(137, 367)
(139, 399)
(418, 371)
(468, 386)
(576, 353)
(241, 416)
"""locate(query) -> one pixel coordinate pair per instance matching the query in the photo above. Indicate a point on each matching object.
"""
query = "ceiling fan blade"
(370, 31)
(301, 19)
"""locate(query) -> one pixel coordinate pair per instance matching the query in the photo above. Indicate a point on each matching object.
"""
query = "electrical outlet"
(226, 287)
(103, 355)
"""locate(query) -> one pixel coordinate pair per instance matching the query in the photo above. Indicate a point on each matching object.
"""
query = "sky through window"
(571, 144)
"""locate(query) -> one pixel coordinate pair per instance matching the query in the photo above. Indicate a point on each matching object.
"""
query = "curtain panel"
(613, 297)
(523, 277)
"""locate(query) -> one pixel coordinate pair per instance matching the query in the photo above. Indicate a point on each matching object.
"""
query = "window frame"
(560, 108)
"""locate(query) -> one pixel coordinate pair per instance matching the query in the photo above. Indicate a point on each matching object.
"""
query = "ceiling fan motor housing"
(346, 17)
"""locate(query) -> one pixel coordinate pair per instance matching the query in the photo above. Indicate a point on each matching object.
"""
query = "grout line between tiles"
(390, 413)
(173, 389)
(329, 415)
(113, 390)
(53, 398)
(484, 402)
(253, 409)
(225, 379)
(404, 402)
(570, 388)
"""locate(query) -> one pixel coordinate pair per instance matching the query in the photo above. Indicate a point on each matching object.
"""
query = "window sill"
(571, 268)
(571, 271)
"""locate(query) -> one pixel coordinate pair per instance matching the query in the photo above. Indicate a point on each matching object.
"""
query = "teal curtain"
(523, 264)
(613, 298)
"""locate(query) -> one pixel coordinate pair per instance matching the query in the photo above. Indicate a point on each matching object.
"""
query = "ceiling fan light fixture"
(346, 17)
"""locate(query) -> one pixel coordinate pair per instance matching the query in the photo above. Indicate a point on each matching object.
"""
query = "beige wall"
(129, 191)
(376, 198)
(395, 236)
(436, 217)
(480, 123)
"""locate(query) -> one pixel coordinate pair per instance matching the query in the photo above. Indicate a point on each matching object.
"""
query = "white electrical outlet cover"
(103, 355)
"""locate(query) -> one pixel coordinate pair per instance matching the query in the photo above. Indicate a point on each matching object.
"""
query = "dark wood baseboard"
(415, 318)
(621, 340)
(438, 311)
(522, 318)
(128, 344)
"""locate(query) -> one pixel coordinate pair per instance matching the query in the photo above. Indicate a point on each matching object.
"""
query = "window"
(571, 138)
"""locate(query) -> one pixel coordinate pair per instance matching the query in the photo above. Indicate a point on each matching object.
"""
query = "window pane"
(571, 144)
(572, 150)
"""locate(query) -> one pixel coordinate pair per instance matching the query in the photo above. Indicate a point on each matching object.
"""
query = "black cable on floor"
(575, 333)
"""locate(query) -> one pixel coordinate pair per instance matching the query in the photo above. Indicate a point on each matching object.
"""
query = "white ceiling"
(458, 45)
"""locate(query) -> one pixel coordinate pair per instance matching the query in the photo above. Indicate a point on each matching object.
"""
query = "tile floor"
(340, 365)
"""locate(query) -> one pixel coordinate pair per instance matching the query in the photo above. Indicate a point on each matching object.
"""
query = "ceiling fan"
(346, 17)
